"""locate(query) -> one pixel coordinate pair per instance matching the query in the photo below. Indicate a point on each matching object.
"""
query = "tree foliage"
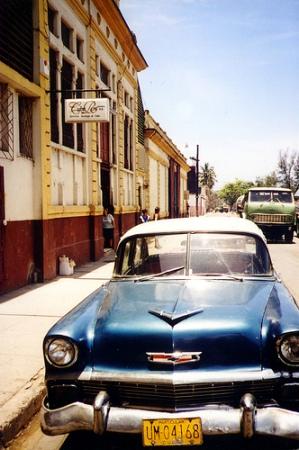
(213, 200)
(268, 180)
(207, 176)
(288, 170)
(231, 191)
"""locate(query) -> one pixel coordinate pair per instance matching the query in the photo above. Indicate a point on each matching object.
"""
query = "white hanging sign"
(87, 110)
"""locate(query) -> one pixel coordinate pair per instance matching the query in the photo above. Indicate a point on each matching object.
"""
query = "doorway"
(2, 217)
(105, 186)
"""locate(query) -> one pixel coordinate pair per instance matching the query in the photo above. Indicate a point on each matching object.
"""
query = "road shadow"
(280, 241)
(81, 440)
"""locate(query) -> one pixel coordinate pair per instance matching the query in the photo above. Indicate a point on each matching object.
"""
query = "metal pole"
(197, 188)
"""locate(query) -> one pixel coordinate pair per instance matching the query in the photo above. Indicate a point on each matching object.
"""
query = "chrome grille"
(173, 397)
(272, 218)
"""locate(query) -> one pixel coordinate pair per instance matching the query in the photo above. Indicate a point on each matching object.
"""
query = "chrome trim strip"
(76, 416)
(101, 408)
(174, 358)
(248, 408)
(215, 421)
(181, 377)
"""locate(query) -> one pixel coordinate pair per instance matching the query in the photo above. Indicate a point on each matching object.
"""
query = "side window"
(248, 244)
(254, 196)
(133, 256)
(138, 252)
(263, 257)
(125, 259)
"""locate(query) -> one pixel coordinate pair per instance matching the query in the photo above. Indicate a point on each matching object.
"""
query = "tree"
(207, 176)
(268, 180)
(231, 191)
(288, 170)
(213, 200)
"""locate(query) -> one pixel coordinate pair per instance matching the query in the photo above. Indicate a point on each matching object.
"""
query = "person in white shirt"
(108, 229)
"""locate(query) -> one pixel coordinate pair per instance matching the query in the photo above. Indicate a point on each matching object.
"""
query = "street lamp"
(196, 159)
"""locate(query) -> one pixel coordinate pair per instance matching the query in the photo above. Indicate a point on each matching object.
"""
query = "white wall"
(154, 186)
(68, 186)
(22, 176)
(19, 190)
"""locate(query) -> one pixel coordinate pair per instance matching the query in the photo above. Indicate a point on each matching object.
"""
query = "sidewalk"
(25, 317)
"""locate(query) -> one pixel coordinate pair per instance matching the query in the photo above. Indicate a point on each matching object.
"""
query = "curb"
(19, 410)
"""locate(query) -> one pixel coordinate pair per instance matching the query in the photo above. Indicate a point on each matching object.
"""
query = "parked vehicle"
(273, 210)
(194, 335)
(240, 205)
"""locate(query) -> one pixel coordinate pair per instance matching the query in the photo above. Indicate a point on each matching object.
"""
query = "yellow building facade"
(166, 174)
(70, 171)
(57, 177)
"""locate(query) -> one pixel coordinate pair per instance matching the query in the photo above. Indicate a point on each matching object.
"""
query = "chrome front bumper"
(246, 420)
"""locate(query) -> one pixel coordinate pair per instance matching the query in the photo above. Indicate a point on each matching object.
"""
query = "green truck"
(273, 210)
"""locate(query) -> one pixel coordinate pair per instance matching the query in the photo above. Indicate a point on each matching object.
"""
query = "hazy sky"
(223, 74)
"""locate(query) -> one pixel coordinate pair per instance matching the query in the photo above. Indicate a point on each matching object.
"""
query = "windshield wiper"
(176, 269)
(277, 200)
(159, 274)
(221, 275)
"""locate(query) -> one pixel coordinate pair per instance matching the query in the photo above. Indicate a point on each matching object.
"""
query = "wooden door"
(2, 217)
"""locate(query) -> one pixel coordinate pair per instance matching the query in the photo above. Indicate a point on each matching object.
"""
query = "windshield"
(193, 254)
(271, 196)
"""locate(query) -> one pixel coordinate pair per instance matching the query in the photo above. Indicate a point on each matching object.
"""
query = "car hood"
(271, 208)
(220, 319)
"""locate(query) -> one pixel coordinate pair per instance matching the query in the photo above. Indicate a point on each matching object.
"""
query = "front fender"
(79, 325)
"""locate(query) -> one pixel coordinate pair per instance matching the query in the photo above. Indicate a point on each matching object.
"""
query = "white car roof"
(270, 189)
(216, 224)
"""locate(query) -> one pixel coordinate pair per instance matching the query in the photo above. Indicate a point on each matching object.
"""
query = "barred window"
(53, 96)
(79, 126)
(52, 20)
(66, 35)
(104, 142)
(66, 86)
(25, 126)
(126, 99)
(66, 76)
(79, 48)
(113, 137)
(6, 122)
(16, 35)
(105, 74)
(128, 143)
(140, 120)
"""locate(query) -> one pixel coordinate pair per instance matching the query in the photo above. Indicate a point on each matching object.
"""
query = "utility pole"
(196, 159)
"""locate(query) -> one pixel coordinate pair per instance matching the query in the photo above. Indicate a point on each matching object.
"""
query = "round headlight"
(288, 349)
(61, 352)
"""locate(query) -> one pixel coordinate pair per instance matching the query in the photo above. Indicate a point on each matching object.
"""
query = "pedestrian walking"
(144, 216)
(157, 217)
(157, 213)
(108, 229)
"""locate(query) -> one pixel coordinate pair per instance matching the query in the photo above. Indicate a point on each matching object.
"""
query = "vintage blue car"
(194, 335)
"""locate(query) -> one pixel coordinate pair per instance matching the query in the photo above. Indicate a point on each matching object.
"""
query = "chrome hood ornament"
(173, 319)
(174, 358)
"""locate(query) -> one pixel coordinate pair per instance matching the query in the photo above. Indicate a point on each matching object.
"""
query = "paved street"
(285, 258)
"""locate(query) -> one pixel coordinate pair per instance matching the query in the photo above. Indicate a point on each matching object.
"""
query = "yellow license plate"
(171, 432)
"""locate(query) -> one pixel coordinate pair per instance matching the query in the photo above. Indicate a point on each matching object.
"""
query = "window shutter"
(104, 140)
